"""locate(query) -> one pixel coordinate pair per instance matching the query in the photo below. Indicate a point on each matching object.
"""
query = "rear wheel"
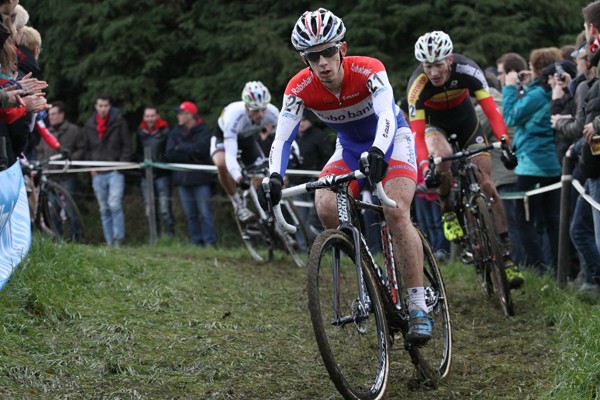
(433, 359)
(61, 213)
(494, 256)
(255, 235)
(352, 335)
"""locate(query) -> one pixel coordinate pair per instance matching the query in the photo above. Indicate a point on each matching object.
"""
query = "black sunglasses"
(327, 53)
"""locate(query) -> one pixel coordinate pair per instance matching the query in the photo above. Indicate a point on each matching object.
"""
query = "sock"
(416, 299)
(235, 200)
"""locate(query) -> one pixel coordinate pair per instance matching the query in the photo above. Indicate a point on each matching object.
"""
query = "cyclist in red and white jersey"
(353, 96)
(439, 104)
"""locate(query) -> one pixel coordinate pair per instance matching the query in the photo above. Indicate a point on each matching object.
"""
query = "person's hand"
(31, 85)
(432, 179)
(36, 103)
(275, 188)
(377, 166)
(511, 78)
(66, 153)
(554, 119)
(14, 96)
(508, 157)
(244, 182)
(588, 132)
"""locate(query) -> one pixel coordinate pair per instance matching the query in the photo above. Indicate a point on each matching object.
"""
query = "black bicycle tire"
(290, 241)
(330, 239)
(260, 242)
(72, 211)
(438, 351)
(496, 269)
(475, 239)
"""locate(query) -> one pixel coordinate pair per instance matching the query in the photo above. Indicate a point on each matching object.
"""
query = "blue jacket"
(534, 136)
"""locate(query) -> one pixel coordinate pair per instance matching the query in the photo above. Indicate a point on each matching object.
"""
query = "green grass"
(173, 321)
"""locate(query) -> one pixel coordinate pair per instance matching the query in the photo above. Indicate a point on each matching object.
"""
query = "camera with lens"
(560, 71)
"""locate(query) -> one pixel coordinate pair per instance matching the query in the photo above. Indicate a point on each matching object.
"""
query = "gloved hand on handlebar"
(432, 179)
(275, 188)
(508, 157)
(66, 153)
(377, 166)
(245, 182)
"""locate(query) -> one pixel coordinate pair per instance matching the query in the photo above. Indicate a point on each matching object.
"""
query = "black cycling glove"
(275, 188)
(377, 167)
(245, 182)
(432, 179)
(66, 153)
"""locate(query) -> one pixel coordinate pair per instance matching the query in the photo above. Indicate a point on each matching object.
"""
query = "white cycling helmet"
(256, 95)
(317, 27)
(433, 46)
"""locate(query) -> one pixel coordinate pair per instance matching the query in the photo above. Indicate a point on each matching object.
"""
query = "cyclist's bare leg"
(405, 236)
(326, 205)
(484, 177)
(438, 146)
(225, 178)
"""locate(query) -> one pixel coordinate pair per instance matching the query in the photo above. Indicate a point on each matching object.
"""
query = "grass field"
(172, 321)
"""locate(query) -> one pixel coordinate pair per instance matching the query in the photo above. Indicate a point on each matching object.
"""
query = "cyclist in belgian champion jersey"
(237, 130)
(353, 96)
(439, 104)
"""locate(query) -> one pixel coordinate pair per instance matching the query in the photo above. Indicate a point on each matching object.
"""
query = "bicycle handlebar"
(323, 183)
(465, 153)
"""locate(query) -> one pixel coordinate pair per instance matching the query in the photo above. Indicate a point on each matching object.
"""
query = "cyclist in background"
(237, 131)
(439, 104)
(353, 96)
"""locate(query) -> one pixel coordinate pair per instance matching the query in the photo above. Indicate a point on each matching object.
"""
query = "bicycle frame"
(348, 223)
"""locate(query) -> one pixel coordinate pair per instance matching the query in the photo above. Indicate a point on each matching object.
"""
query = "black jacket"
(115, 144)
(191, 147)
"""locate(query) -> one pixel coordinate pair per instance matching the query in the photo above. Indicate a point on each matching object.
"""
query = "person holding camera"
(529, 114)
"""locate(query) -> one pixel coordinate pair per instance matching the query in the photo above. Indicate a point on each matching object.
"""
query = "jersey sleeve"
(287, 129)
(494, 116)
(385, 108)
(416, 115)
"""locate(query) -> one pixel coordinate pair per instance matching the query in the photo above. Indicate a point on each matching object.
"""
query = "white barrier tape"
(586, 196)
(121, 165)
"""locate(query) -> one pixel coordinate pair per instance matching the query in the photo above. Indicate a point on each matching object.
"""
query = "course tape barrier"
(15, 222)
(122, 165)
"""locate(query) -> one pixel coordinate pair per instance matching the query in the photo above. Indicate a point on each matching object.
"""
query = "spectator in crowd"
(19, 18)
(236, 134)
(153, 133)
(30, 49)
(505, 179)
(569, 93)
(535, 148)
(69, 136)
(589, 153)
(13, 126)
(189, 143)
(108, 139)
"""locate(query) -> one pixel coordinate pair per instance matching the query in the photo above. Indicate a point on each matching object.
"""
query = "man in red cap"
(189, 143)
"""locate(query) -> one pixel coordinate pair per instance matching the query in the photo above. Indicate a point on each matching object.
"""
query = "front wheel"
(61, 214)
(494, 256)
(255, 234)
(351, 332)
